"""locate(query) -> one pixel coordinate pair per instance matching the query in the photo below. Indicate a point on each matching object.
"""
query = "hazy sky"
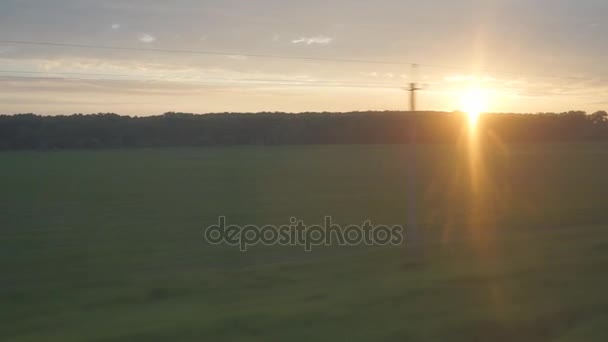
(527, 55)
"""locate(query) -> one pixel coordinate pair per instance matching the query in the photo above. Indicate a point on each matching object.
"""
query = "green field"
(108, 245)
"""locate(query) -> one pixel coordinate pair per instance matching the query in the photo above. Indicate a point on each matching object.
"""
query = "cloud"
(468, 78)
(370, 74)
(7, 49)
(147, 38)
(115, 26)
(458, 78)
(380, 75)
(322, 40)
(238, 57)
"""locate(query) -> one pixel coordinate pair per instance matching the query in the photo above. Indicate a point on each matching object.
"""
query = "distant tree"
(599, 117)
(109, 130)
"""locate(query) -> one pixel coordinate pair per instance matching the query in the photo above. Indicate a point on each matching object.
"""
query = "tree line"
(109, 130)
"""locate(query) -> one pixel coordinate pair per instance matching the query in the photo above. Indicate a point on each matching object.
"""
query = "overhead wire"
(291, 57)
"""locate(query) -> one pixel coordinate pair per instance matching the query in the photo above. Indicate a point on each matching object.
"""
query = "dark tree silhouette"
(600, 117)
(108, 130)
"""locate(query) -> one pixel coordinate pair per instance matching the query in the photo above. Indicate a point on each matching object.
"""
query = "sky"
(522, 55)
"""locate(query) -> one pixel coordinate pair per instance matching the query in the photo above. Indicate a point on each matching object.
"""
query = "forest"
(108, 130)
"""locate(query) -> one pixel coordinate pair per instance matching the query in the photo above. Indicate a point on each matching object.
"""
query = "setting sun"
(474, 102)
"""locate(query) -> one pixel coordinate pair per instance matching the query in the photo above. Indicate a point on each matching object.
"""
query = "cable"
(228, 82)
(213, 53)
(324, 59)
(197, 78)
(219, 81)
(243, 82)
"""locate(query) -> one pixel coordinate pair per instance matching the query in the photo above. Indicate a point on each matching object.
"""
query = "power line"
(200, 52)
(286, 57)
(214, 81)
(199, 78)
(218, 82)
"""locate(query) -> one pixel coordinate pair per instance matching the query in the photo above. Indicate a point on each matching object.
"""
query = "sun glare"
(474, 102)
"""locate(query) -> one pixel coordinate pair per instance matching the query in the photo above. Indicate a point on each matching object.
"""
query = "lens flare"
(474, 102)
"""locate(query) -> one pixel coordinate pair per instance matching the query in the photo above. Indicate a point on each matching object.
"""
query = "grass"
(108, 245)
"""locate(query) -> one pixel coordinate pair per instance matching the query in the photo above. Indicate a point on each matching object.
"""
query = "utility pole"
(413, 88)
(415, 250)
